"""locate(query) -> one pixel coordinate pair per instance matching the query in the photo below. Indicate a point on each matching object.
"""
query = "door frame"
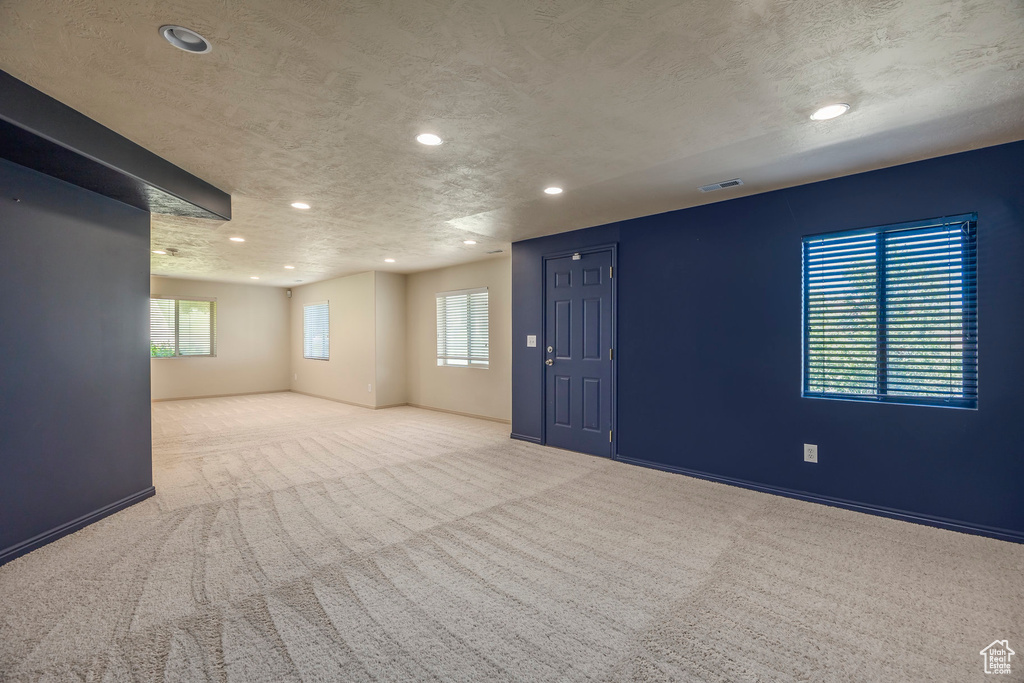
(613, 247)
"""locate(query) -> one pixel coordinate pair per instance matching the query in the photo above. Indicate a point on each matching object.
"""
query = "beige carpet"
(294, 539)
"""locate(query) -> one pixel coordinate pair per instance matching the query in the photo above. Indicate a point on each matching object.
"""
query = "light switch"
(531, 340)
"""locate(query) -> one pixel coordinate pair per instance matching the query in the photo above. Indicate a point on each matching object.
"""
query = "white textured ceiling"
(627, 104)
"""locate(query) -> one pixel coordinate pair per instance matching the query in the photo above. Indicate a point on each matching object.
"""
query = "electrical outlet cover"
(810, 452)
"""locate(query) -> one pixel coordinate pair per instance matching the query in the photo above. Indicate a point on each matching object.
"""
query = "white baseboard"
(243, 393)
(456, 412)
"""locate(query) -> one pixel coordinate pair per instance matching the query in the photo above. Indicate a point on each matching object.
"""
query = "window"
(182, 327)
(316, 331)
(462, 328)
(890, 314)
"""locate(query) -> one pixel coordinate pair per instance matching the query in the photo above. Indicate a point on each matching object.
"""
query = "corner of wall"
(468, 391)
(390, 364)
(253, 342)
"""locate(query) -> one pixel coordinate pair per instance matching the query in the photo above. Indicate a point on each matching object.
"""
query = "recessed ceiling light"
(389, 260)
(830, 112)
(160, 251)
(469, 241)
(429, 139)
(237, 239)
(290, 267)
(300, 205)
(553, 190)
(185, 39)
(254, 277)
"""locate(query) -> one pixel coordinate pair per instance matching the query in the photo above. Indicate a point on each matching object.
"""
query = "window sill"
(876, 401)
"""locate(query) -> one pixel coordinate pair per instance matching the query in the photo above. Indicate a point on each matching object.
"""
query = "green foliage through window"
(182, 327)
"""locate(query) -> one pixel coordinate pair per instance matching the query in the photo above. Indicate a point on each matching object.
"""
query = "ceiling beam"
(45, 135)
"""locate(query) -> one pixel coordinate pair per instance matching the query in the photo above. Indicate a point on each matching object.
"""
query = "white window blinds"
(463, 336)
(162, 328)
(890, 314)
(316, 331)
(182, 327)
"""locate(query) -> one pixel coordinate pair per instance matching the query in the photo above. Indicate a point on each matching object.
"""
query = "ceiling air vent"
(496, 251)
(735, 182)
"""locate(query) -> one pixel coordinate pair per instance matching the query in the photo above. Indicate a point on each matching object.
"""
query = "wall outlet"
(296, 376)
(369, 388)
(810, 452)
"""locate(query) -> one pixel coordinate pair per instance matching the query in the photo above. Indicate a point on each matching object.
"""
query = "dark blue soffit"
(38, 132)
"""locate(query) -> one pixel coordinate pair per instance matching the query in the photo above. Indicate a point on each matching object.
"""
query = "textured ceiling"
(627, 104)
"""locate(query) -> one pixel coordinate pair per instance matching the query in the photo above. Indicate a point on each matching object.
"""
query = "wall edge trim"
(456, 412)
(97, 158)
(18, 549)
(997, 533)
(328, 398)
(242, 393)
(528, 439)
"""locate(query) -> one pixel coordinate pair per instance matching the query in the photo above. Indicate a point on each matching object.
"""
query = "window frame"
(444, 360)
(327, 306)
(969, 314)
(213, 326)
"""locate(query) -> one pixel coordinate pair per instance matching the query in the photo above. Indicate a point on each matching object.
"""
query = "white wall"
(473, 391)
(383, 343)
(350, 373)
(252, 343)
(391, 316)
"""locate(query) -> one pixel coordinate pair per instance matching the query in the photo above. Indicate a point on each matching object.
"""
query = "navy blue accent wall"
(709, 351)
(74, 362)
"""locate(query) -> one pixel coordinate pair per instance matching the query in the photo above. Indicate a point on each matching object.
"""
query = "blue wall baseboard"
(76, 436)
(902, 515)
(19, 549)
(710, 347)
(524, 437)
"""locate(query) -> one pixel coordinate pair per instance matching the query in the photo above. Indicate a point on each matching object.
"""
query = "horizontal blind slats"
(913, 335)
(463, 328)
(161, 328)
(182, 327)
(195, 328)
(316, 331)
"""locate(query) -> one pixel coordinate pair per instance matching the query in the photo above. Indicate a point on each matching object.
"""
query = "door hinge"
(611, 354)
(609, 436)
(611, 271)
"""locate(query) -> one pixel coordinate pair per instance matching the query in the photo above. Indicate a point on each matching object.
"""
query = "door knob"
(549, 362)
